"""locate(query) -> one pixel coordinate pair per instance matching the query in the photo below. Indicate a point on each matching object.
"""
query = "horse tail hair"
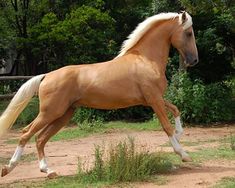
(19, 102)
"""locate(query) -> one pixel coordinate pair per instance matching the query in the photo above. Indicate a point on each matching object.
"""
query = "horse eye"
(189, 34)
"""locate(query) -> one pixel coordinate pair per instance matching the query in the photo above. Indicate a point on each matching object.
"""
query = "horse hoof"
(4, 171)
(187, 159)
(52, 175)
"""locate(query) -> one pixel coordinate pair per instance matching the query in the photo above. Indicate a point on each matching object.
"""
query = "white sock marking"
(44, 167)
(15, 158)
(178, 127)
(177, 147)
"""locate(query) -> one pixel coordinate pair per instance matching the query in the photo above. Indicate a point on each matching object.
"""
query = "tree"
(84, 36)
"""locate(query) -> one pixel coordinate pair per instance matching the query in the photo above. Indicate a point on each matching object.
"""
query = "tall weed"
(123, 163)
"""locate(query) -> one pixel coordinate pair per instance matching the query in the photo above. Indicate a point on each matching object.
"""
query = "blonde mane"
(144, 26)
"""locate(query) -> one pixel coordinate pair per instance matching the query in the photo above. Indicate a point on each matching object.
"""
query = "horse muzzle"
(190, 60)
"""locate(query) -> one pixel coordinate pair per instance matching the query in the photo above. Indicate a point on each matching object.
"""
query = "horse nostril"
(195, 61)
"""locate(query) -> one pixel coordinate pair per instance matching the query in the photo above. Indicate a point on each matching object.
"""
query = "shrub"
(200, 103)
(124, 163)
(137, 113)
(29, 113)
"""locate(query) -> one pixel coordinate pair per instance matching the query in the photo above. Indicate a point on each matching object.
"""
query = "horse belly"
(112, 98)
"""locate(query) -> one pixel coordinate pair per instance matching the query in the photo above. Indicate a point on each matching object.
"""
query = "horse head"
(184, 41)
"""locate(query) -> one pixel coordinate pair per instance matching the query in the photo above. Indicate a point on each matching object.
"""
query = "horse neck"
(155, 44)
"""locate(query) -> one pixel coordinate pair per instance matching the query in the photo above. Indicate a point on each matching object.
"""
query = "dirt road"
(63, 156)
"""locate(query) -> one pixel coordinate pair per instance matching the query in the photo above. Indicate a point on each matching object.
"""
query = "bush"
(200, 103)
(124, 163)
(136, 113)
(10, 86)
(29, 113)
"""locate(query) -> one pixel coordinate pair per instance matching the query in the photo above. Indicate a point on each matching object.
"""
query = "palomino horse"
(135, 77)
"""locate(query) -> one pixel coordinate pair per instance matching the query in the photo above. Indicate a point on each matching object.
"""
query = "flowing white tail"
(19, 102)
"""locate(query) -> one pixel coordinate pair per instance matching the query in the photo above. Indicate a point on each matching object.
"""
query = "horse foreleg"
(41, 140)
(35, 126)
(178, 125)
(159, 109)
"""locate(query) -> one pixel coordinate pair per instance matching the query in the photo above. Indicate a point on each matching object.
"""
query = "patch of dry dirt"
(63, 156)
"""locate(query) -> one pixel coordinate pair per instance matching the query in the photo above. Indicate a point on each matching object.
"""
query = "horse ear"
(184, 17)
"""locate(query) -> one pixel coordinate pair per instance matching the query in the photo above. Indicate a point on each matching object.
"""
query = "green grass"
(73, 133)
(221, 152)
(87, 130)
(226, 182)
(83, 130)
(153, 125)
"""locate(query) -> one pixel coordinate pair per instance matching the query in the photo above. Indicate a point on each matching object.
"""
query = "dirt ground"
(63, 156)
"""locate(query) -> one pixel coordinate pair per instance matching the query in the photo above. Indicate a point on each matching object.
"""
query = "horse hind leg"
(34, 127)
(178, 125)
(26, 129)
(41, 140)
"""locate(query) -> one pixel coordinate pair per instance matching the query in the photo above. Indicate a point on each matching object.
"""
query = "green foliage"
(10, 86)
(124, 163)
(164, 6)
(84, 36)
(137, 113)
(29, 113)
(200, 103)
(226, 182)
